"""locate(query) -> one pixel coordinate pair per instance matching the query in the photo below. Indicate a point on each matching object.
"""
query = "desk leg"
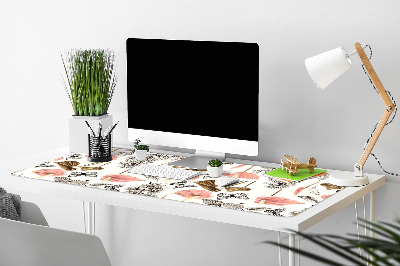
(372, 210)
(292, 244)
(298, 247)
(88, 215)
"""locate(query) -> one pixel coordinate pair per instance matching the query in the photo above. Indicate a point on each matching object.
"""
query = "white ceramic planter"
(141, 155)
(215, 171)
(78, 131)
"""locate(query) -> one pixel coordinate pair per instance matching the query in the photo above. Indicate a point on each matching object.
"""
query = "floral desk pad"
(255, 192)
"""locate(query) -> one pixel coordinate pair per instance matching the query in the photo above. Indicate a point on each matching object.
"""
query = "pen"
(106, 132)
(90, 132)
(112, 129)
(89, 127)
(100, 127)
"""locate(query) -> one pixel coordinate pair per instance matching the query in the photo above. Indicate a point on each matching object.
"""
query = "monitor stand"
(199, 160)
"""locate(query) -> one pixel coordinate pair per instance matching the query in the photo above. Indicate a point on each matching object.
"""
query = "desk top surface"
(295, 200)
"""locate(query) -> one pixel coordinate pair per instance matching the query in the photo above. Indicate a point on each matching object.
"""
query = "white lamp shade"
(326, 67)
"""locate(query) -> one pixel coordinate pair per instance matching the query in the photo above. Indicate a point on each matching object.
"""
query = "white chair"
(32, 243)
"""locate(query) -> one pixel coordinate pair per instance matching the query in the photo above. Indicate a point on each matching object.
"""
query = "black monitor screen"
(193, 87)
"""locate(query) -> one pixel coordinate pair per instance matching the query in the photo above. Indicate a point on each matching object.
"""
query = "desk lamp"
(323, 70)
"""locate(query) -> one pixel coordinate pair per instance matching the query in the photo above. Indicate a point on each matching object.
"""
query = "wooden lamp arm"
(371, 71)
(389, 108)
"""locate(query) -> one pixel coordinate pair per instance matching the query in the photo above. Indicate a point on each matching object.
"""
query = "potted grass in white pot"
(90, 83)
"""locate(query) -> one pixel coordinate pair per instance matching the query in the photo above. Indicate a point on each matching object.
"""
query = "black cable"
(387, 123)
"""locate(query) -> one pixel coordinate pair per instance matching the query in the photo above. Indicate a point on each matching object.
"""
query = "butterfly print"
(208, 185)
(91, 168)
(68, 165)
(233, 189)
(330, 186)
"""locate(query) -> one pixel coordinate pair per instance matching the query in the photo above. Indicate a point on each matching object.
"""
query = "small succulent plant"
(140, 147)
(215, 163)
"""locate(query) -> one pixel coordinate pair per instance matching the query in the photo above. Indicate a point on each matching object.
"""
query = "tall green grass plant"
(91, 79)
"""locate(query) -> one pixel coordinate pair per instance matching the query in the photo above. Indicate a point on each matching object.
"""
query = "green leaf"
(384, 251)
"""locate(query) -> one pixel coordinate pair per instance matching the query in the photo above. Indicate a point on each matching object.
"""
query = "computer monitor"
(199, 95)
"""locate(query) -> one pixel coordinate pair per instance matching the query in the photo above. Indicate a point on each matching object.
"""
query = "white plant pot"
(214, 171)
(78, 131)
(141, 155)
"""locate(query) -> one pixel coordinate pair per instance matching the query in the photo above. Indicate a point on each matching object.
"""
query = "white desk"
(297, 223)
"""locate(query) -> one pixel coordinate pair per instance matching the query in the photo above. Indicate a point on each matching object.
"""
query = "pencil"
(100, 128)
(112, 128)
(89, 127)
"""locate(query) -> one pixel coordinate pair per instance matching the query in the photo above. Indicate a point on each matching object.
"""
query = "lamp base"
(347, 179)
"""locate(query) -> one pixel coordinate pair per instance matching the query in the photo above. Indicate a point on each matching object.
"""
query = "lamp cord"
(387, 123)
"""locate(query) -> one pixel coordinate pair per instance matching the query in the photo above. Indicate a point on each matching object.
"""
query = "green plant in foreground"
(140, 147)
(215, 163)
(91, 80)
(382, 251)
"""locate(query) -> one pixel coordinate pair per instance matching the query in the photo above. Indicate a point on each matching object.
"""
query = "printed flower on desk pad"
(49, 172)
(243, 175)
(298, 190)
(120, 178)
(193, 194)
(277, 201)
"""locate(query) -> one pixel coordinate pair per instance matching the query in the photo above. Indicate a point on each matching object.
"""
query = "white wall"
(295, 117)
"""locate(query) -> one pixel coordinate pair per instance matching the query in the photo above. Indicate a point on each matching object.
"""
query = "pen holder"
(99, 149)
